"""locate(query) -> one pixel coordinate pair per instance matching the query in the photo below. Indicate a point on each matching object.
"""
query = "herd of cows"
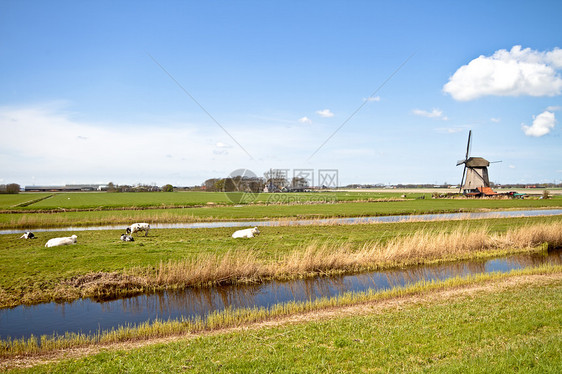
(128, 236)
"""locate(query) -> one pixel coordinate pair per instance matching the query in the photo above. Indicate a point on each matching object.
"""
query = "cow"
(28, 235)
(136, 227)
(246, 233)
(127, 238)
(61, 241)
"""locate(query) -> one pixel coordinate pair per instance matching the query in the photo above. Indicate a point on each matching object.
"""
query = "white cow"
(246, 233)
(61, 241)
(136, 227)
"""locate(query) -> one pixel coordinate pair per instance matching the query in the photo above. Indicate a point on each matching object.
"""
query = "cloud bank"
(47, 145)
(518, 72)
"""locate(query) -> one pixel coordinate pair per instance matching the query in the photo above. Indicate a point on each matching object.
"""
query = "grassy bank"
(102, 266)
(487, 323)
(27, 220)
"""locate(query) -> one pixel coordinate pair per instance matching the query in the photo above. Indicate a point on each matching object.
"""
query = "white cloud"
(325, 113)
(306, 120)
(553, 108)
(223, 145)
(495, 120)
(372, 98)
(508, 73)
(435, 113)
(449, 130)
(512, 166)
(542, 124)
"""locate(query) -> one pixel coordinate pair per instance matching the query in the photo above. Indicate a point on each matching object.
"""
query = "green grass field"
(12, 201)
(259, 212)
(104, 200)
(514, 329)
(91, 200)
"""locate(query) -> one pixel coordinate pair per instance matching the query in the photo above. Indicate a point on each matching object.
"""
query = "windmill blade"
(460, 162)
(468, 145)
(495, 162)
(462, 179)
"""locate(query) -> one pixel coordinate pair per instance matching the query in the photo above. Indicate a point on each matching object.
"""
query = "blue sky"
(181, 91)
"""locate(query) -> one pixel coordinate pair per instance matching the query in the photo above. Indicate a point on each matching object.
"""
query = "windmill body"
(476, 174)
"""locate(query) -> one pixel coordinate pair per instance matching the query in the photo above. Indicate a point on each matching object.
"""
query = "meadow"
(104, 200)
(101, 266)
(125, 208)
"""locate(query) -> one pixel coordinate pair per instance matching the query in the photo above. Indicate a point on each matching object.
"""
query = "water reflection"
(90, 316)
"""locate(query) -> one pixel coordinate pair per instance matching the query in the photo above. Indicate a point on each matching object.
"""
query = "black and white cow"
(28, 235)
(127, 238)
(136, 227)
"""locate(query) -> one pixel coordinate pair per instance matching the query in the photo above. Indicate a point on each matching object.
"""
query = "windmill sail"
(465, 160)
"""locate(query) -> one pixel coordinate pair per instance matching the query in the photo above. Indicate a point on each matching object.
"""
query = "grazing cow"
(246, 233)
(61, 241)
(28, 235)
(136, 227)
(127, 238)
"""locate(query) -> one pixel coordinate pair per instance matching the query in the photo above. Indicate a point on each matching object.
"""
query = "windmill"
(476, 171)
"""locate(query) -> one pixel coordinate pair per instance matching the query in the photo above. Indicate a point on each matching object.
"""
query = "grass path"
(506, 324)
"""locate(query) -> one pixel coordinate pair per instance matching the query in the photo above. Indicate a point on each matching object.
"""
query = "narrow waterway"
(88, 316)
(304, 222)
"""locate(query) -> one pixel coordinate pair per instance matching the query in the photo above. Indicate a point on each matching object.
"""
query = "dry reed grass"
(325, 258)
(53, 219)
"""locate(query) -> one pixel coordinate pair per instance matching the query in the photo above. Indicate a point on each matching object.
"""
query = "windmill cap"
(477, 162)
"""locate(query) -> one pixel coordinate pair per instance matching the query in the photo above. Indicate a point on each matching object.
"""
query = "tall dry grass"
(55, 219)
(324, 258)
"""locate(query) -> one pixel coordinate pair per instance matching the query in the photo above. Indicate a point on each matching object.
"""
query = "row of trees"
(111, 187)
(11, 188)
(274, 180)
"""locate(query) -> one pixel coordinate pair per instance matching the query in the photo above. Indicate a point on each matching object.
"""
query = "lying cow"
(61, 241)
(127, 238)
(246, 233)
(136, 227)
(28, 235)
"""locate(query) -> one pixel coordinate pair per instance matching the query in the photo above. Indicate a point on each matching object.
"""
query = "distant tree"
(13, 188)
(219, 185)
(111, 187)
(545, 194)
(168, 188)
(210, 184)
(231, 184)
